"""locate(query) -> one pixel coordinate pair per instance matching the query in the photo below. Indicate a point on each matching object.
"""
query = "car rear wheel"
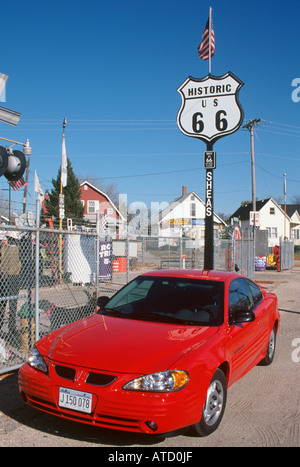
(214, 406)
(268, 359)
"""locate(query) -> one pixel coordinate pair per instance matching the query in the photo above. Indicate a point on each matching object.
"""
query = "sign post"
(210, 110)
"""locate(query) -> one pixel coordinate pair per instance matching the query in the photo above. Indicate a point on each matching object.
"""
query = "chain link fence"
(50, 278)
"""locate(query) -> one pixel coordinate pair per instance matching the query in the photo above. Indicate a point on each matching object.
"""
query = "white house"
(184, 217)
(271, 218)
(293, 211)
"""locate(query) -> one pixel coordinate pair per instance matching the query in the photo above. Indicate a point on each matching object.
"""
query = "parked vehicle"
(157, 356)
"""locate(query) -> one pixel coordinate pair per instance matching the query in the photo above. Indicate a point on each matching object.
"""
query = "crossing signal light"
(12, 165)
(16, 166)
(3, 160)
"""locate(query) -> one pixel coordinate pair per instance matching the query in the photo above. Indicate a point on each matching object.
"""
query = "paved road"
(263, 408)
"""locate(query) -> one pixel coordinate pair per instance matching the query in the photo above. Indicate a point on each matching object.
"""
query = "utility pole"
(249, 126)
(284, 195)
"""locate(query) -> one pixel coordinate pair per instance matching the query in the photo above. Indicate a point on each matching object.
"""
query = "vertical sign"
(210, 110)
(105, 261)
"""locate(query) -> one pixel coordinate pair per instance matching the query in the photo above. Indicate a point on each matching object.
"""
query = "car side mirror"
(242, 316)
(102, 301)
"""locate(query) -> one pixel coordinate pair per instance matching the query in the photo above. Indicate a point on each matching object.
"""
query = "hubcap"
(214, 403)
(272, 344)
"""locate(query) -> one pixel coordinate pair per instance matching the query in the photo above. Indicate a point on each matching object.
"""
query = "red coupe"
(157, 356)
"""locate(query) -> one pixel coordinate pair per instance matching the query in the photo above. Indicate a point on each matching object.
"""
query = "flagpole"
(59, 208)
(209, 42)
(61, 184)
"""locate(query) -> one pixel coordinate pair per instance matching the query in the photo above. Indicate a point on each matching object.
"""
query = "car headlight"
(163, 381)
(35, 360)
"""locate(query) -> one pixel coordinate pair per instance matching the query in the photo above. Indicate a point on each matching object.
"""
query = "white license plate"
(75, 400)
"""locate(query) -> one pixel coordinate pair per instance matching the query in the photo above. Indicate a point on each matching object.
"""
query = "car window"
(172, 299)
(255, 291)
(239, 297)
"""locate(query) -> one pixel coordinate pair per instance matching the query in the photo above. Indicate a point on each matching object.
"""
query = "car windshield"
(173, 300)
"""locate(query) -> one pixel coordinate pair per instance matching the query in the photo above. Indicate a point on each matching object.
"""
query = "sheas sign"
(209, 194)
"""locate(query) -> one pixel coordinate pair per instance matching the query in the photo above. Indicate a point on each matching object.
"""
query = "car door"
(263, 316)
(241, 342)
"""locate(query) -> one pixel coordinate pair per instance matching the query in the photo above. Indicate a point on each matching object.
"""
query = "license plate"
(75, 400)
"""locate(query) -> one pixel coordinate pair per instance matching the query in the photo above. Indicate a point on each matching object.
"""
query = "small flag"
(3, 80)
(16, 184)
(63, 175)
(208, 41)
(38, 188)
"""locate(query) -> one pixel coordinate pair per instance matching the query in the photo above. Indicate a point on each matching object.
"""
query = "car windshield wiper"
(146, 315)
(112, 311)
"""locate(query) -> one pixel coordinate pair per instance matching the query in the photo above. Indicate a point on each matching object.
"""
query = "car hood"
(122, 345)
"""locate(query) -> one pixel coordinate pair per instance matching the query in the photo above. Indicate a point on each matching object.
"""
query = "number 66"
(221, 123)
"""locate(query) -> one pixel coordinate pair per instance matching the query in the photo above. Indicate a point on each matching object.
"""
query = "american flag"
(16, 184)
(203, 48)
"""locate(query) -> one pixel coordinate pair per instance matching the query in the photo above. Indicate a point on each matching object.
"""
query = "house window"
(272, 232)
(272, 211)
(193, 209)
(92, 206)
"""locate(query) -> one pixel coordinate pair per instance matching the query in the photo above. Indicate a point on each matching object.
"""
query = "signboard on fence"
(105, 261)
(254, 218)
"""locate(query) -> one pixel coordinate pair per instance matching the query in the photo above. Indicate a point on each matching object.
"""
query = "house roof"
(105, 196)
(162, 214)
(291, 209)
(243, 212)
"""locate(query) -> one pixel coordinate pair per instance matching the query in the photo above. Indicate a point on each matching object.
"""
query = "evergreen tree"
(73, 206)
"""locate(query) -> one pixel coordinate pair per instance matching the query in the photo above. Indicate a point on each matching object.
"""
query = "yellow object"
(24, 334)
(271, 260)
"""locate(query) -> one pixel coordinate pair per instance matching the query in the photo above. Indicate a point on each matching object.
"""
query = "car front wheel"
(214, 406)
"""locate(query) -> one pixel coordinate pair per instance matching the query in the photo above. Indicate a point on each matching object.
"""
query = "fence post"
(180, 252)
(98, 233)
(127, 258)
(37, 272)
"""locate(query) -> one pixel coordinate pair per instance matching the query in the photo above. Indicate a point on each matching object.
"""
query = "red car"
(156, 357)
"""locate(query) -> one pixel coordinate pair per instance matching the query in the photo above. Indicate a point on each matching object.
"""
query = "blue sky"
(113, 70)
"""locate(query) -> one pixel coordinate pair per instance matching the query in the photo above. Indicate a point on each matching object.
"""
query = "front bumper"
(112, 407)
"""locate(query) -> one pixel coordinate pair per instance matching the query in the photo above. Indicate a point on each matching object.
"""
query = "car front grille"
(93, 378)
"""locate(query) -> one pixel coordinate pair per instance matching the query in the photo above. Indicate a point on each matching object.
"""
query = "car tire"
(268, 359)
(214, 406)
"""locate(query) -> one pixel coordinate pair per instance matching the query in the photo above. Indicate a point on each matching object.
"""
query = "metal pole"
(284, 194)
(98, 233)
(25, 188)
(60, 217)
(249, 126)
(37, 271)
(209, 41)
(253, 170)
(209, 217)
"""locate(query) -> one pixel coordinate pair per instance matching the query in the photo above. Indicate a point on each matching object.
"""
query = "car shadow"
(15, 409)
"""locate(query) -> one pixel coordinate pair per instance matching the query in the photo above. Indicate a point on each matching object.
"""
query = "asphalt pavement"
(263, 408)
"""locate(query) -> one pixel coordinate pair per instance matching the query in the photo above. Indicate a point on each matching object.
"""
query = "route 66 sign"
(210, 107)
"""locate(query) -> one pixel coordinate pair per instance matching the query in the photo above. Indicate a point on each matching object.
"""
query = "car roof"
(205, 274)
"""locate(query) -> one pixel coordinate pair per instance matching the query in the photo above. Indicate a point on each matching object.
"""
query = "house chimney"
(184, 190)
